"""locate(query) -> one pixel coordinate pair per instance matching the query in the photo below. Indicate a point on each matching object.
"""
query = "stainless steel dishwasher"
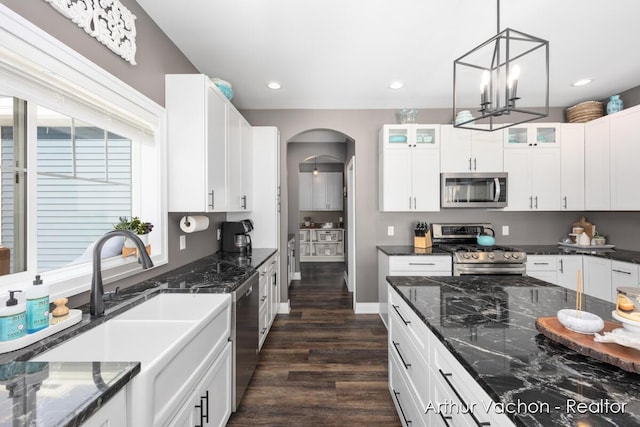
(244, 335)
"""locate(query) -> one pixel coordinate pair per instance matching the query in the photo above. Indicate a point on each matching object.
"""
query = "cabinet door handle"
(475, 164)
(396, 346)
(395, 307)
(263, 298)
(470, 163)
(564, 203)
(244, 202)
(620, 271)
(530, 202)
(204, 409)
(536, 202)
(396, 394)
(561, 266)
(446, 376)
(409, 202)
(211, 195)
(263, 331)
(415, 205)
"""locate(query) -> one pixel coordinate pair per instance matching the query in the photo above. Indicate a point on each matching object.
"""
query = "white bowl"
(628, 324)
(580, 321)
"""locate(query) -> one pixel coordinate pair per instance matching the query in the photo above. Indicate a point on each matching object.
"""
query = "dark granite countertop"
(510, 359)
(614, 254)
(623, 255)
(58, 393)
(217, 273)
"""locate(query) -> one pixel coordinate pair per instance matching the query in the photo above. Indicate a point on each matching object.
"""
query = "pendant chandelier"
(503, 81)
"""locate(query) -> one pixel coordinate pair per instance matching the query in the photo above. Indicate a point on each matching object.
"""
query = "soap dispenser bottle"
(12, 319)
(37, 306)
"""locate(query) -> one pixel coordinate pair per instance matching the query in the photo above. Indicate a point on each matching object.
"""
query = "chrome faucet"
(97, 290)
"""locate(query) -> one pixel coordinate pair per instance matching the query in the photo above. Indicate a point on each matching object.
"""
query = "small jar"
(615, 104)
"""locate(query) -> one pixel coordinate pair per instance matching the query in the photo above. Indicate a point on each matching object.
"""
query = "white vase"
(128, 243)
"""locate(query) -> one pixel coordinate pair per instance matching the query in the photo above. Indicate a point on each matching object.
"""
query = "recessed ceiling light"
(396, 85)
(582, 82)
(274, 85)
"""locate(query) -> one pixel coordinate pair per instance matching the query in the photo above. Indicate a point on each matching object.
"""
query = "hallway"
(321, 365)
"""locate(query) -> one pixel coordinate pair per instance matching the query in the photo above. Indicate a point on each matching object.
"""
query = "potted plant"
(136, 225)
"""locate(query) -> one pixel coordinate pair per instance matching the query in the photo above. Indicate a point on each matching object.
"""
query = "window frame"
(40, 69)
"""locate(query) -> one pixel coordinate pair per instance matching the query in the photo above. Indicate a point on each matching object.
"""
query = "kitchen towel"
(191, 224)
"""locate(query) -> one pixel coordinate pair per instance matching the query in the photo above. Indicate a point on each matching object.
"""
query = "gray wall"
(371, 228)
(156, 56)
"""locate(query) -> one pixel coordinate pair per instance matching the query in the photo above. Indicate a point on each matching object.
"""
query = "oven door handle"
(497, 197)
(513, 269)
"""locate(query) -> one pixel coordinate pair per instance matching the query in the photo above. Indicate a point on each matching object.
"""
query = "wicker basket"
(584, 112)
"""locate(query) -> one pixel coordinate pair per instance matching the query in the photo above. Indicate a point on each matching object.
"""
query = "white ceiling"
(334, 54)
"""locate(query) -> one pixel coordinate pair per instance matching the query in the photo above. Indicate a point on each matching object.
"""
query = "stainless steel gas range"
(469, 258)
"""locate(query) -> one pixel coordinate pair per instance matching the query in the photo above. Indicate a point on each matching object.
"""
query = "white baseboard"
(284, 307)
(296, 276)
(367, 308)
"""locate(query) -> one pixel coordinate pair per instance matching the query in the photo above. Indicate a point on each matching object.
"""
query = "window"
(78, 149)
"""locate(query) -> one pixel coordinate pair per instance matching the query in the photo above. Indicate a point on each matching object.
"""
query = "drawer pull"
(446, 376)
(445, 418)
(395, 307)
(422, 263)
(540, 263)
(396, 345)
(406, 421)
(620, 271)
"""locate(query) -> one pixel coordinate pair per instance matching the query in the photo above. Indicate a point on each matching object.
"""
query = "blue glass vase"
(614, 105)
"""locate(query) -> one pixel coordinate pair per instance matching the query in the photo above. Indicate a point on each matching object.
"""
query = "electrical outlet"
(183, 242)
(391, 230)
(218, 234)
(505, 230)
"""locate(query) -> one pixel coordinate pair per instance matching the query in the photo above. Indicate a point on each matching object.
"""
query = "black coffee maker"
(235, 236)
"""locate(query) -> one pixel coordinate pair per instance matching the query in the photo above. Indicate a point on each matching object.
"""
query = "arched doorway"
(321, 220)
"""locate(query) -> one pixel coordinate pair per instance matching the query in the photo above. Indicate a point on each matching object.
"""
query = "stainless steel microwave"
(473, 190)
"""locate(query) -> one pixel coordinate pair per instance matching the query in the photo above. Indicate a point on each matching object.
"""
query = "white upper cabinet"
(321, 192)
(534, 179)
(209, 148)
(532, 135)
(409, 168)
(572, 167)
(597, 180)
(625, 159)
(464, 150)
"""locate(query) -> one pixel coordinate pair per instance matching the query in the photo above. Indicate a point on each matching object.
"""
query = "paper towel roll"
(191, 224)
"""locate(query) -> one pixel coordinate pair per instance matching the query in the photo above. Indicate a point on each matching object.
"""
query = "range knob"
(465, 255)
(490, 255)
(515, 256)
(475, 255)
(507, 255)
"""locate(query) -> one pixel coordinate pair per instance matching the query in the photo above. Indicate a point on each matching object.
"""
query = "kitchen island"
(486, 323)
(69, 393)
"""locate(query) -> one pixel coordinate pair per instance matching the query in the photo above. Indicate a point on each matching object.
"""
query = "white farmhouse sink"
(194, 307)
(172, 335)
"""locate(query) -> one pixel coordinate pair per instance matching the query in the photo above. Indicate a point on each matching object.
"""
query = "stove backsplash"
(525, 228)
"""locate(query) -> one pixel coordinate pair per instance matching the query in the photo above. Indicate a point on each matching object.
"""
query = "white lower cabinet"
(407, 265)
(597, 277)
(542, 267)
(623, 274)
(112, 413)
(425, 379)
(210, 403)
(269, 297)
(568, 268)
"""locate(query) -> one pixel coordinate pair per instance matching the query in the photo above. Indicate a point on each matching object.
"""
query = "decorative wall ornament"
(106, 20)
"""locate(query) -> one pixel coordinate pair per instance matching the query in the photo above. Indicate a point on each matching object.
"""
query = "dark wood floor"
(321, 365)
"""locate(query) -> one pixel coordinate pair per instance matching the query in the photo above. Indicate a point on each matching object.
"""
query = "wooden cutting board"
(588, 227)
(625, 358)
